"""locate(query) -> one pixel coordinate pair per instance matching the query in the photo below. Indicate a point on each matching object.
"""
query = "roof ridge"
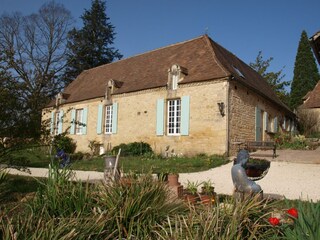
(153, 50)
(216, 59)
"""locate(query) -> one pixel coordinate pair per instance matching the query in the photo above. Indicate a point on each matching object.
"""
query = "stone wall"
(243, 103)
(137, 120)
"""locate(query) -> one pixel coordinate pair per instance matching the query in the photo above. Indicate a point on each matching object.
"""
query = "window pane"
(108, 119)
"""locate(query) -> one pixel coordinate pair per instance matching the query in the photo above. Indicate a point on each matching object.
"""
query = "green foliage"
(133, 149)
(307, 224)
(286, 141)
(58, 196)
(228, 220)
(275, 79)
(64, 142)
(137, 207)
(91, 46)
(306, 74)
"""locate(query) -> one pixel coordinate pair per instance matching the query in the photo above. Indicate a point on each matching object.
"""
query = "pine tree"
(275, 79)
(91, 46)
(306, 74)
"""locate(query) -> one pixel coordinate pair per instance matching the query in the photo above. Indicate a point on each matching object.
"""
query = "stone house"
(187, 98)
(310, 109)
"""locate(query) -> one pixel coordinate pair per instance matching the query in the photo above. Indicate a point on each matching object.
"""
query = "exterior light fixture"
(221, 108)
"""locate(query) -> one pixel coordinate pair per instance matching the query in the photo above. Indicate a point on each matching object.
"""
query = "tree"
(305, 74)
(275, 79)
(91, 46)
(33, 52)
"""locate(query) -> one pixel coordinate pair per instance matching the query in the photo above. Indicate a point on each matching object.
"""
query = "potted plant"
(191, 192)
(207, 194)
(173, 178)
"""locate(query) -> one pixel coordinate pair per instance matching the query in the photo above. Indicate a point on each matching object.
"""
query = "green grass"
(155, 164)
(15, 187)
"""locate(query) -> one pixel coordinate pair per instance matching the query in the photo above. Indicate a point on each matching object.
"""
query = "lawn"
(39, 157)
(142, 164)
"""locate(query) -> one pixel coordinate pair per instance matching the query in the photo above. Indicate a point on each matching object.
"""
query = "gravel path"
(293, 174)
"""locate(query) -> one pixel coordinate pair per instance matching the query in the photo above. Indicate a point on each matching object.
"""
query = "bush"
(65, 143)
(133, 149)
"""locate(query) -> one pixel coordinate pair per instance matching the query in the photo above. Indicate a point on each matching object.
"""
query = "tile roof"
(202, 57)
(312, 99)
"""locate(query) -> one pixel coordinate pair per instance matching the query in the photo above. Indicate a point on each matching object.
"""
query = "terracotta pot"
(173, 180)
(190, 198)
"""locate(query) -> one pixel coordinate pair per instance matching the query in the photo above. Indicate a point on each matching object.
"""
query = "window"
(175, 78)
(108, 119)
(174, 116)
(79, 121)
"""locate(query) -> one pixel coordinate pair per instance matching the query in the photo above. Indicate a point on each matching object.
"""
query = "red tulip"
(293, 212)
(274, 221)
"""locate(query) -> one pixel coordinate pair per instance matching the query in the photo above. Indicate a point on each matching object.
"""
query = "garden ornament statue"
(65, 158)
(239, 177)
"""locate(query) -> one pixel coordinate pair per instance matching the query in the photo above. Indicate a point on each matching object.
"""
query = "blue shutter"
(52, 123)
(99, 120)
(114, 117)
(73, 119)
(258, 124)
(84, 120)
(275, 124)
(160, 113)
(265, 116)
(185, 112)
(60, 122)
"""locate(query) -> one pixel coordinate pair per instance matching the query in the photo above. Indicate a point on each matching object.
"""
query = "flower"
(274, 221)
(293, 212)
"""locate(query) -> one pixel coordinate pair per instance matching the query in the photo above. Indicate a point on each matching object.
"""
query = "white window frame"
(56, 122)
(174, 117)
(79, 121)
(108, 119)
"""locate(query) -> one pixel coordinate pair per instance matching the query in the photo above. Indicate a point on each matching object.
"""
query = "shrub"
(133, 149)
(65, 143)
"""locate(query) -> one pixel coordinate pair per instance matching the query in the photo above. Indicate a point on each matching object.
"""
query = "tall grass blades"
(36, 226)
(225, 221)
(62, 197)
(137, 207)
(307, 225)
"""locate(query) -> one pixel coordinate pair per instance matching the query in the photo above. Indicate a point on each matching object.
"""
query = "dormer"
(61, 98)
(111, 86)
(175, 75)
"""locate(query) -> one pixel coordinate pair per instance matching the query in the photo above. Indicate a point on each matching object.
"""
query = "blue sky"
(243, 27)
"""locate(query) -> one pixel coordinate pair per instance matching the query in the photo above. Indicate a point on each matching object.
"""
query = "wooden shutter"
(84, 120)
(114, 118)
(275, 124)
(258, 124)
(185, 112)
(60, 125)
(73, 119)
(160, 117)
(99, 119)
(52, 122)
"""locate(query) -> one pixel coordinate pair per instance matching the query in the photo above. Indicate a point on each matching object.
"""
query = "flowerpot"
(207, 198)
(173, 180)
(191, 198)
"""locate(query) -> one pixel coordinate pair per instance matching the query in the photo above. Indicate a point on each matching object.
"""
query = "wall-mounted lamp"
(221, 108)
